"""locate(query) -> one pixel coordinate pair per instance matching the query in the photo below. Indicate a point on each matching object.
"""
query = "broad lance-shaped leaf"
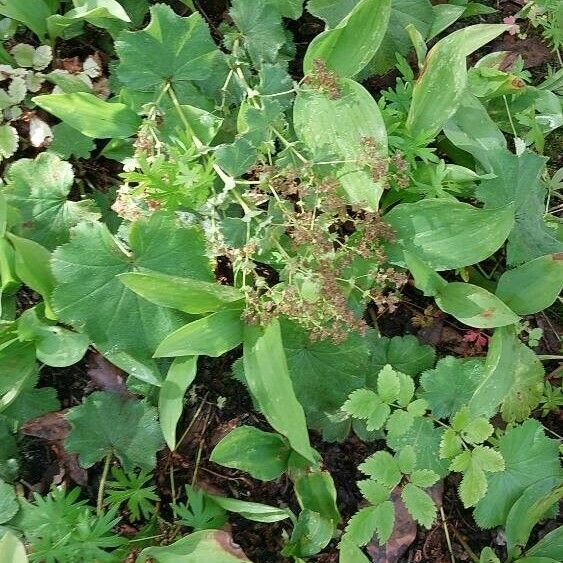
(169, 50)
(210, 336)
(474, 306)
(534, 286)
(180, 376)
(508, 360)
(90, 297)
(39, 189)
(443, 79)
(315, 490)
(90, 115)
(264, 455)
(106, 424)
(336, 129)
(184, 294)
(267, 377)
(332, 12)
(447, 234)
(348, 47)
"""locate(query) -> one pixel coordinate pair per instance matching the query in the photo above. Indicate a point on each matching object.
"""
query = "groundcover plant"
(280, 281)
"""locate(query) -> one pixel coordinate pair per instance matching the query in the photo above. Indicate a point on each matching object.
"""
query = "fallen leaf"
(51, 426)
(404, 530)
(106, 376)
(40, 133)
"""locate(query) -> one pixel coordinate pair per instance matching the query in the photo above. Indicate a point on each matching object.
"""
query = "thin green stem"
(102, 485)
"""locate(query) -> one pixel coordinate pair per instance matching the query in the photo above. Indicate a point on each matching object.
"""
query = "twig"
(447, 533)
(465, 545)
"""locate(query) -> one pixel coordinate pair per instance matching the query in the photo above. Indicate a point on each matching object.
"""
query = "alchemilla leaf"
(106, 424)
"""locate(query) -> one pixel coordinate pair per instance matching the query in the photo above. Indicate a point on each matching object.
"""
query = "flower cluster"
(323, 79)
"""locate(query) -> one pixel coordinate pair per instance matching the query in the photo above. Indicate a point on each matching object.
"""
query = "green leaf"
(382, 467)
(374, 492)
(264, 455)
(388, 384)
(474, 306)
(180, 376)
(399, 423)
(315, 491)
(184, 294)
(18, 370)
(68, 142)
(404, 353)
(31, 13)
(518, 182)
(33, 268)
(425, 278)
(332, 12)
(378, 519)
(360, 403)
(406, 460)
(543, 280)
(106, 424)
(8, 504)
(473, 486)
(32, 403)
(55, 346)
(425, 438)
(267, 377)
(12, 549)
(419, 504)
(338, 127)
(261, 27)
(477, 431)
(90, 297)
(508, 364)
(170, 49)
(311, 534)
(529, 457)
(447, 234)
(438, 91)
(212, 335)
(9, 141)
(237, 157)
(487, 459)
(255, 511)
(90, 115)
(349, 46)
(444, 16)
(206, 545)
(200, 512)
(450, 444)
(451, 384)
(423, 478)
(549, 546)
(39, 189)
(323, 375)
(417, 13)
(529, 509)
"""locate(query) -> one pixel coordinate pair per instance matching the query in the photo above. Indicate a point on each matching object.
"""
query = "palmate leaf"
(90, 297)
(39, 189)
(450, 384)
(529, 456)
(106, 424)
(171, 49)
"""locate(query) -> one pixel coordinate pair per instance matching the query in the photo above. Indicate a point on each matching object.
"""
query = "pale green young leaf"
(9, 141)
(361, 403)
(488, 459)
(212, 335)
(388, 384)
(419, 504)
(179, 377)
(398, 423)
(450, 445)
(370, 520)
(262, 454)
(255, 511)
(378, 417)
(315, 490)
(477, 431)
(406, 459)
(473, 486)
(89, 296)
(406, 391)
(106, 424)
(461, 461)
(31, 13)
(267, 377)
(382, 467)
(39, 189)
(417, 407)
(336, 127)
(423, 478)
(91, 115)
(461, 419)
(12, 549)
(373, 491)
(349, 46)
